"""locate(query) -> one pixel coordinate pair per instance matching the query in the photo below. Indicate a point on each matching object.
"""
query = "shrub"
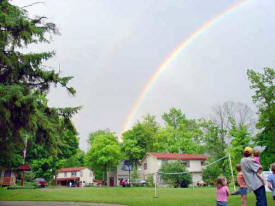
(177, 180)
(150, 180)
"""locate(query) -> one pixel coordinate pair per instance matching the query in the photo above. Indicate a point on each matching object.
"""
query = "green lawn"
(128, 196)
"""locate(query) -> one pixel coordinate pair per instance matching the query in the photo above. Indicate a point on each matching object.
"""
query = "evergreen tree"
(24, 82)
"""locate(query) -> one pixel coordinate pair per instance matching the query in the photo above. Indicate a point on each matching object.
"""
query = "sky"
(113, 47)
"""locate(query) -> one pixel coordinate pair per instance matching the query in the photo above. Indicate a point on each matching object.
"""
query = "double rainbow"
(172, 56)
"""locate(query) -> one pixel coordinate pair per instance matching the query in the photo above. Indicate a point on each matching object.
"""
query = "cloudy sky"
(113, 47)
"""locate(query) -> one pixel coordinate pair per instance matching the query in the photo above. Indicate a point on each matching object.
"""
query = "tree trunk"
(105, 174)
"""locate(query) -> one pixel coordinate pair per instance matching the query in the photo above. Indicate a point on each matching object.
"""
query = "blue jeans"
(260, 196)
(221, 203)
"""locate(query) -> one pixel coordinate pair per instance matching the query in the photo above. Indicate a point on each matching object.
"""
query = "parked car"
(139, 182)
(124, 183)
(41, 182)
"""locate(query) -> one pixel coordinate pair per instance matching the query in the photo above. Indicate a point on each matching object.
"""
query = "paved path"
(40, 203)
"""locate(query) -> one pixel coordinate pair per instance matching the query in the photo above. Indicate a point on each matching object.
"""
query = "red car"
(41, 182)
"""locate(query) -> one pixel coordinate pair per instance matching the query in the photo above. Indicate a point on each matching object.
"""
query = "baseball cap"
(248, 150)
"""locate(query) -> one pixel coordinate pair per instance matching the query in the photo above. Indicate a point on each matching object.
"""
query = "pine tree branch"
(38, 2)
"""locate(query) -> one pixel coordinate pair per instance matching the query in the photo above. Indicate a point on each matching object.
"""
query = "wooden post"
(156, 195)
(22, 178)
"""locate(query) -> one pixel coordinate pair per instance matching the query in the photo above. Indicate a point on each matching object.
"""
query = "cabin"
(7, 176)
(75, 177)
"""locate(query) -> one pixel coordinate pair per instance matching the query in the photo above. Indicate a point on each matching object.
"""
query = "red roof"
(24, 167)
(175, 156)
(67, 178)
(76, 169)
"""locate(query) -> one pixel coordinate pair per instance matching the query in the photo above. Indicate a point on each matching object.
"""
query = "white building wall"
(154, 164)
(86, 175)
(196, 178)
(195, 166)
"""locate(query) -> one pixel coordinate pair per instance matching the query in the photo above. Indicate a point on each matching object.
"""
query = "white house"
(151, 163)
(78, 176)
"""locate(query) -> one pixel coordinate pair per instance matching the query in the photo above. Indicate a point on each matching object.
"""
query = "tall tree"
(241, 137)
(140, 139)
(24, 82)
(226, 117)
(179, 134)
(96, 133)
(104, 153)
(264, 86)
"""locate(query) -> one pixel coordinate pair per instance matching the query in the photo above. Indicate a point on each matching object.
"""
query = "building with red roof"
(152, 162)
(75, 177)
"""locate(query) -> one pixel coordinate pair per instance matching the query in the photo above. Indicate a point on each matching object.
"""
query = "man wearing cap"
(253, 182)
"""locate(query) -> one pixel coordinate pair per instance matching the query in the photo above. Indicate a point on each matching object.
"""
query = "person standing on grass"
(222, 191)
(251, 172)
(271, 180)
(242, 186)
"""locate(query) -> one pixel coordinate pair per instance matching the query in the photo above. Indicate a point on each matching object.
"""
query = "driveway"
(41, 203)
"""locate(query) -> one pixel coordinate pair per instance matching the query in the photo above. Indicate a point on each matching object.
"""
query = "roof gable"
(180, 156)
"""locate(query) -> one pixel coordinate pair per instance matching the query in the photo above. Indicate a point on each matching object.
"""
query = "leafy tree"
(96, 133)
(229, 121)
(104, 153)
(241, 137)
(214, 142)
(174, 118)
(140, 139)
(77, 160)
(24, 83)
(179, 134)
(264, 86)
(178, 180)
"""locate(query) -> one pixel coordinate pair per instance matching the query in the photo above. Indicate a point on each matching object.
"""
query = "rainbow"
(172, 56)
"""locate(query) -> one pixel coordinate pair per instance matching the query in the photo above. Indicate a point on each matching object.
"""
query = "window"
(73, 174)
(145, 166)
(202, 163)
(164, 162)
(81, 173)
(7, 173)
(186, 163)
(65, 174)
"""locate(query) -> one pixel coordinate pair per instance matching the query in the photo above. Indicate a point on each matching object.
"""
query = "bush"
(150, 180)
(177, 180)
(27, 185)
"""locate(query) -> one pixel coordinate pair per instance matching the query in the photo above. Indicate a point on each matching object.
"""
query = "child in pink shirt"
(256, 158)
(222, 192)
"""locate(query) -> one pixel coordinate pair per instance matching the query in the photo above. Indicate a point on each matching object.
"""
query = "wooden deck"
(7, 180)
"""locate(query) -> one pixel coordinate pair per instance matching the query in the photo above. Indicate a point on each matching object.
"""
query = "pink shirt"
(257, 160)
(222, 194)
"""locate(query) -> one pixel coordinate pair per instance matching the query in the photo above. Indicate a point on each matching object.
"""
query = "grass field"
(127, 196)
